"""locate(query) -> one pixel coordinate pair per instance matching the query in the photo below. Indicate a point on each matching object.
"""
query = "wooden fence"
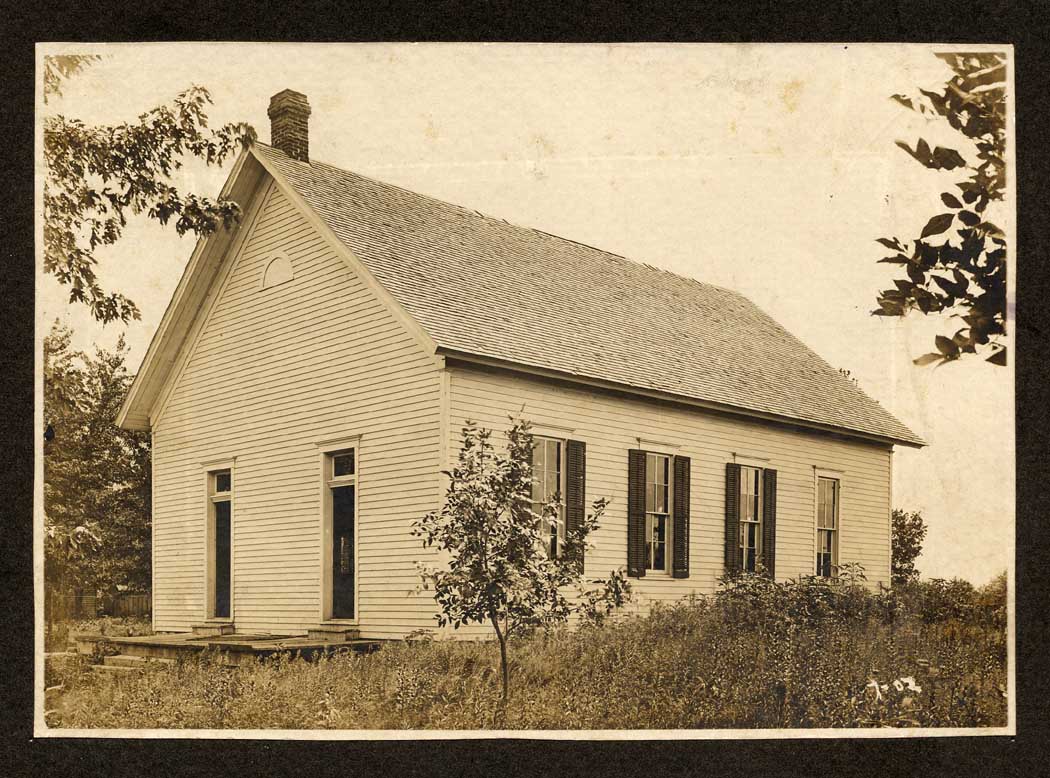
(80, 605)
(66, 607)
(130, 605)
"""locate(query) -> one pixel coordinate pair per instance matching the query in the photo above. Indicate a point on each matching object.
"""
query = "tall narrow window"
(750, 517)
(219, 543)
(657, 512)
(341, 485)
(548, 482)
(827, 526)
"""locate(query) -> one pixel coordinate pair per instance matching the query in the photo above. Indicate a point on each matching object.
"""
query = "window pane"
(649, 541)
(539, 456)
(222, 481)
(342, 552)
(656, 542)
(222, 559)
(343, 464)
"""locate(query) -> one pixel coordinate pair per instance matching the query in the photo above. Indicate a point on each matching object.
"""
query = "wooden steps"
(123, 664)
(333, 633)
(231, 649)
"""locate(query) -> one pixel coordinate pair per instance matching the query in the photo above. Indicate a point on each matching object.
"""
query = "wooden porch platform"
(234, 649)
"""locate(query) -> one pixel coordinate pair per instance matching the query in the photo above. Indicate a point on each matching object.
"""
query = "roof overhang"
(246, 180)
(190, 296)
(628, 389)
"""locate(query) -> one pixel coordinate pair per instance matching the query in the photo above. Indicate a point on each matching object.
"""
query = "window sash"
(346, 479)
(827, 526)
(220, 484)
(219, 540)
(340, 551)
(750, 517)
(548, 480)
(658, 512)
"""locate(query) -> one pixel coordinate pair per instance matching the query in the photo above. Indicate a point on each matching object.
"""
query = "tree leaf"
(998, 358)
(947, 159)
(927, 359)
(937, 224)
(950, 200)
(946, 346)
(969, 218)
(891, 243)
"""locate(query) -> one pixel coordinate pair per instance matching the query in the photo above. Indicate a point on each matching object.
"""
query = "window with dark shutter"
(769, 521)
(732, 553)
(680, 533)
(575, 488)
(636, 513)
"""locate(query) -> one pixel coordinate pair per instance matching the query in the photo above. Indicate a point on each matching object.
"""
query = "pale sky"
(770, 169)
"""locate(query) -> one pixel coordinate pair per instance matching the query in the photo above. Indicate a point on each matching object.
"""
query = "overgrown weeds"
(756, 654)
(58, 634)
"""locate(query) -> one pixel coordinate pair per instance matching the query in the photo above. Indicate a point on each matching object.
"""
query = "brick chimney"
(289, 114)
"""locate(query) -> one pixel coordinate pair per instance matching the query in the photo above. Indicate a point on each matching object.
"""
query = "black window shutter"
(680, 532)
(575, 488)
(636, 513)
(769, 521)
(732, 560)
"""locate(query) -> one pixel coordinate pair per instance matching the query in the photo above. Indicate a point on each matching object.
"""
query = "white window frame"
(669, 516)
(211, 497)
(561, 442)
(327, 451)
(745, 468)
(831, 475)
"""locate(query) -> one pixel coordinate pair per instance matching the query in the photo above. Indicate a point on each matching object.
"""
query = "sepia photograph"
(392, 390)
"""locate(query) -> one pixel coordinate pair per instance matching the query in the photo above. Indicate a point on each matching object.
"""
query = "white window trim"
(667, 448)
(552, 431)
(208, 470)
(747, 460)
(325, 450)
(669, 531)
(562, 481)
(837, 475)
(760, 465)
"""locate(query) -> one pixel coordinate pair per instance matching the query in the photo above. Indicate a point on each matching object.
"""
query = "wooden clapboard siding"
(610, 425)
(272, 373)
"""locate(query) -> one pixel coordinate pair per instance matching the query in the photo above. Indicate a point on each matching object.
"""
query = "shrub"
(758, 653)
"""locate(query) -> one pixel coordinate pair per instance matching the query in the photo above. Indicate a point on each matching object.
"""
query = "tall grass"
(757, 654)
(58, 634)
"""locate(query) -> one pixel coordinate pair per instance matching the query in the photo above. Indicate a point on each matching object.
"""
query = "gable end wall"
(273, 372)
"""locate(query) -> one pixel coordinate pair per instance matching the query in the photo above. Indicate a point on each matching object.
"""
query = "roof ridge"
(492, 218)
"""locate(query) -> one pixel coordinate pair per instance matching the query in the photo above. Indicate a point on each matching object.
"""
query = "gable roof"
(480, 286)
(475, 287)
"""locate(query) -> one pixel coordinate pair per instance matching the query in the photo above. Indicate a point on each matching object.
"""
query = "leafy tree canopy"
(500, 570)
(957, 265)
(909, 531)
(94, 177)
(96, 475)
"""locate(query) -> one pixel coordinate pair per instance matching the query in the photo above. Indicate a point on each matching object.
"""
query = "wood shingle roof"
(478, 285)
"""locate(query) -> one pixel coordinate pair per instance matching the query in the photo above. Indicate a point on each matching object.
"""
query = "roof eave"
(135, 411)
(522, 367)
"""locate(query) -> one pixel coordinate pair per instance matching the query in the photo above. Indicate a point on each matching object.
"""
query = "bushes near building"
(756, 654)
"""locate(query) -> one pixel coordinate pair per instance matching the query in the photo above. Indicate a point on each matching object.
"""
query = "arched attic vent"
(278, 270)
